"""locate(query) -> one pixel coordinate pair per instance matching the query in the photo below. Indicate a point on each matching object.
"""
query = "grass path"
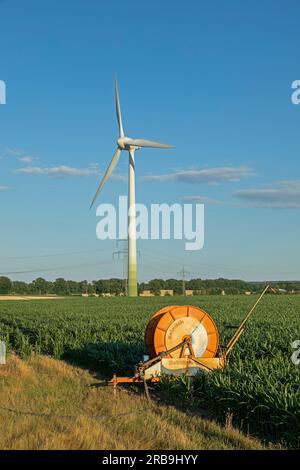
(45, 385)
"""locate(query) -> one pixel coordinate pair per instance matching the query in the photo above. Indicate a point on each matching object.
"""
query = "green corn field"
(259, 389)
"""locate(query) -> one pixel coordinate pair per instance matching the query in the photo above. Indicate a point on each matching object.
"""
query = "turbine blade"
(107, 174)
(118, 109)
(148, 143)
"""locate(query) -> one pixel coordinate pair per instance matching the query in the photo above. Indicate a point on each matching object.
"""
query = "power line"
(233, 268)
(52, 255)
(99, 263)
(161, 262)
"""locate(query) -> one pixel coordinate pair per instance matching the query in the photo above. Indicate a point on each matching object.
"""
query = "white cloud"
(62, 170)
(281, 195)
(207, 175)
(26, 159)
(202, 200)
(19, 155)
(31, 170)
(4, 188)
(67, 171)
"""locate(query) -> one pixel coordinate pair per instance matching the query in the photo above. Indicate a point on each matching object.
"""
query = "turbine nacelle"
(125, 143)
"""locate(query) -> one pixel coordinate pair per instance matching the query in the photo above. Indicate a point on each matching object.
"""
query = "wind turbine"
(131, 145)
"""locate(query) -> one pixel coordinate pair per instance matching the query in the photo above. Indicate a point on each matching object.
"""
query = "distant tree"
(232, 290)
(40, 286)
(174, 284)
(142, 286)
(116, 286)
(73, 287)
(101, 286)
(20, 287)
(214, 291)
(60, 286)
(155, 285)
(5, 285)
(84, 286)
(91, 288)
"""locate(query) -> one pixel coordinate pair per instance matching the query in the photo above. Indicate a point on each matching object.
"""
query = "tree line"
(61, 286)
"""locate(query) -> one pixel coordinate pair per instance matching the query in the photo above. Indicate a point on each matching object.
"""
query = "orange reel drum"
(171, 325)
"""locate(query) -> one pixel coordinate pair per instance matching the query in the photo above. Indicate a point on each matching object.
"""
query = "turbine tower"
(131, 145)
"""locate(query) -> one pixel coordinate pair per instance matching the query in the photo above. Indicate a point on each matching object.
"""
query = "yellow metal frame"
(241, 328)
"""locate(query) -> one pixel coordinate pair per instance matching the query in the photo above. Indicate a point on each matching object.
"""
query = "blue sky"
(213, 78)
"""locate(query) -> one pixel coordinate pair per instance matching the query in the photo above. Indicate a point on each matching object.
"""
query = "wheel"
(171, 325)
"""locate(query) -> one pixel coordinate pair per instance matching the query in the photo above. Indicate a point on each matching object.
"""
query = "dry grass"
(46, 385)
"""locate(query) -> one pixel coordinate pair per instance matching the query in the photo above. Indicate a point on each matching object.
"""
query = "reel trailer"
(183, 340)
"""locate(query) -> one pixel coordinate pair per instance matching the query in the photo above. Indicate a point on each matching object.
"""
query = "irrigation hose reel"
(183, 340)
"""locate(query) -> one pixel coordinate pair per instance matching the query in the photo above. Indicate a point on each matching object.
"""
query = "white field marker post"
(132, 255)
